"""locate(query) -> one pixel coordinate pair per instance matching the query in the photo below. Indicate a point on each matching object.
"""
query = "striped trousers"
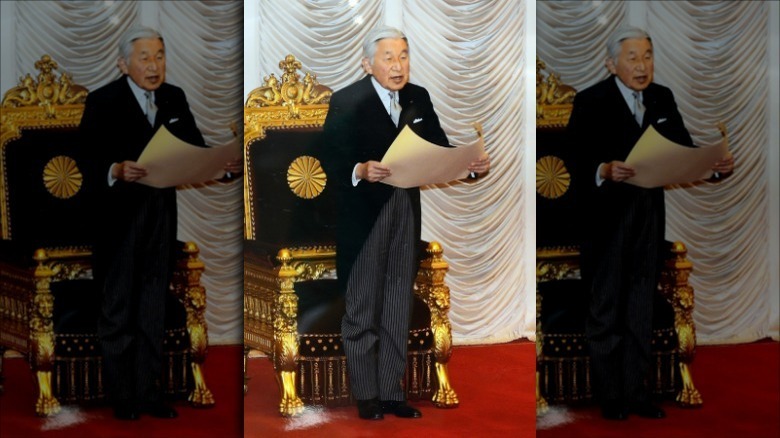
(375, 327)
(134, 277)
(624, 278)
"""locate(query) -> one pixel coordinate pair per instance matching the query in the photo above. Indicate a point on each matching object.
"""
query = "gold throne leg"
(285, 352)
(432, 290)
(541, 404)
(42, 337)
(193, 296)
(675, 288)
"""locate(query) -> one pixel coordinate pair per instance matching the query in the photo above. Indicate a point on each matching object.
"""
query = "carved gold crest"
(306, 178)
(552, 177)
(553, 98)
(62, 177)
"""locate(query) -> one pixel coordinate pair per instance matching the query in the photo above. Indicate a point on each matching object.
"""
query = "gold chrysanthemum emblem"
(306, 177)
(552, 177)
(62, 177)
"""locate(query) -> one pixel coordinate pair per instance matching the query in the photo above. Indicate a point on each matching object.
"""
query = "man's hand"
(372, 171)
(128, 171)
(235, 166)
(616, 171)
(480, 166)
(725, 165)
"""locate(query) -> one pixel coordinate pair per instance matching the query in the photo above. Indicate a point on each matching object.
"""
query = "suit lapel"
(162, 100)
(134, 110)
(651, 106)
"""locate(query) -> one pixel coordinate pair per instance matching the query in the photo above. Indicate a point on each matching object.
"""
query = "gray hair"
(136, 33)
(374, 36)
(623, 33)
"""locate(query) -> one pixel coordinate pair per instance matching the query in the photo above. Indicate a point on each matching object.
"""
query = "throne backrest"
(557, 188)
(288, 202)
(44, 191)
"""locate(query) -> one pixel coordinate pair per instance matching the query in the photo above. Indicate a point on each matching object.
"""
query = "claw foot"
(201, 398)
(689, 397)
(445, 398)
(47, 406)
(291, 407)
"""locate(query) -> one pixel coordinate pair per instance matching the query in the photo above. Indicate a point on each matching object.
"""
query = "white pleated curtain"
(714, 57)
(470, 57)
(204, 57)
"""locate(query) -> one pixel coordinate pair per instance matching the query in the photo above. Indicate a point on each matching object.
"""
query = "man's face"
(634, 64)
(391, 63)
(146, 64)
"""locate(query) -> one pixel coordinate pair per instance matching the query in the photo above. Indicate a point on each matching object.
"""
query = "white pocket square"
(417, 120)
(176, 119)
(661, 120)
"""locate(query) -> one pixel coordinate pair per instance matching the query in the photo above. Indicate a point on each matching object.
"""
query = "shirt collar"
(628, 94)
(382, 92)
(139, 93)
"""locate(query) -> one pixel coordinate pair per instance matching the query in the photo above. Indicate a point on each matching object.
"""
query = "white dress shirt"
(384, 96)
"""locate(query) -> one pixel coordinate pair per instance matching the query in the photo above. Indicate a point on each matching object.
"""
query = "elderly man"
(379, 225)
(136, 241)
(622, 253)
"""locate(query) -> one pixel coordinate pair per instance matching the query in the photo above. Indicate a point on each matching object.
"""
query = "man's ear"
(366, 66)
(122, 65)
(610, 64)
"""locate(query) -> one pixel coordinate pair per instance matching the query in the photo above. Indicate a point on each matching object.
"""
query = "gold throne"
(292, 307)
(49, 303)
(562, 364)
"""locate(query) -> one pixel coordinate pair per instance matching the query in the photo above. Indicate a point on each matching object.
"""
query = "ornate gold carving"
(432, 290)
(675, 288)
(552, 177)
(306, 178)
(553, 98)
(291, 103)
(556, 263)
(62, 177)
(285, 353)
(187, 288)
(291, 91)
(42, 337)
(43, 104)
(47, 91)
(541, 404)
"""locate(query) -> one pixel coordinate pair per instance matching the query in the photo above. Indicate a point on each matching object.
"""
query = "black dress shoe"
(370, 409)
(400, 409)
(614, 410)
(647, 410)
(161, 410)
(126, 412)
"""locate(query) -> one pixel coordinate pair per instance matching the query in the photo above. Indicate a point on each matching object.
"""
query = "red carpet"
(739, 384)
(494, 385)
(223, 377)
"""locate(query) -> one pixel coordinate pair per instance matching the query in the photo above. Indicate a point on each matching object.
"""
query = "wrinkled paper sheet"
(415, 162)
(659, 161)
(171, 162)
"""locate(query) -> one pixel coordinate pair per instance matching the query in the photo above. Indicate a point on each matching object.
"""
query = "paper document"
(171, 162)
(416, 162)
(659, 161)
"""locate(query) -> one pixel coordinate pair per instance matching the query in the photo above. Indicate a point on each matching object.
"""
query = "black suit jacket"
(602, 129)
(357, 129)
(114, 129)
